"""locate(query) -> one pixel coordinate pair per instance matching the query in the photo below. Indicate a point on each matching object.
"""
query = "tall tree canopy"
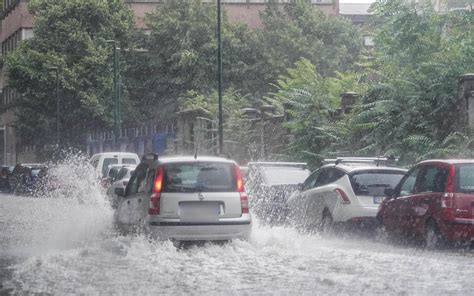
(69, 35)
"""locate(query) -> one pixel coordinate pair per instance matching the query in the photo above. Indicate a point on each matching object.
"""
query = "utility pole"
(219, 76)
(56, 69)
(115, 95)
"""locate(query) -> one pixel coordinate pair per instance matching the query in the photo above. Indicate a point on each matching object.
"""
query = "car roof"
(114, 154)
(177, 159)
(357, 167)
(447, 161)
(277, 164)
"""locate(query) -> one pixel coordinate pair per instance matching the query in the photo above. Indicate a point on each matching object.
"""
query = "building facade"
(17, 25)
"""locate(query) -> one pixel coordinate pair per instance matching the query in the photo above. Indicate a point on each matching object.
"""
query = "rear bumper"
(458, 230)
(353, 213)
(213, 231)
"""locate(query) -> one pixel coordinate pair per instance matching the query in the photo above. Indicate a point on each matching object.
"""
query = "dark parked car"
(5, 175)
(27, 178)
(269, 185)
(434, 201)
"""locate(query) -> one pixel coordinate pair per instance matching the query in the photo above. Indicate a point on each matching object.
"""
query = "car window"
(310, 181)
(327, 176)
(374, 182)
(464, 180)
(129, 161)
(432, 179)
(106, 163)
(198, 176)
(408, 184)
(137, 181)
(284, 175)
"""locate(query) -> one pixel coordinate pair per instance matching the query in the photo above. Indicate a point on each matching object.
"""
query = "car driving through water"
(185, 199)
(269, 184)
(346, 191)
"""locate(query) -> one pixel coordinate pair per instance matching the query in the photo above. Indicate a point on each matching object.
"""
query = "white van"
(101, 161)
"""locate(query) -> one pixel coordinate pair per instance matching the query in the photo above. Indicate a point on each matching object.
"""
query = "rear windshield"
(129, 161)
(284, 175)
(199, 176)
(374, 183)
(107, 162)
(464, 181)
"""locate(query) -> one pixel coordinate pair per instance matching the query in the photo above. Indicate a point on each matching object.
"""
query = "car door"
(393, 207)
(298, 202)
(128, 212)
(317, 195)
(431, 186)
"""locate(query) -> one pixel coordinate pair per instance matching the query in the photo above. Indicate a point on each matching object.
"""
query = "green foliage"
(413, 108)
(68, 35)
(300, 30)
(183, 57)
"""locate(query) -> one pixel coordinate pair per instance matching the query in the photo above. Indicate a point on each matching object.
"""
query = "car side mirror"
(120, 191)
(300, 186)
(389, 192)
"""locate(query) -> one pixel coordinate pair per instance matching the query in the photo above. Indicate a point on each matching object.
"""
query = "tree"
(69, 35)
(183, 57)
(300, 30)
(412, 108)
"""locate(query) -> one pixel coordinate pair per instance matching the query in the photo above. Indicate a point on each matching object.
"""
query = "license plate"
(198, 211)
(378, 199)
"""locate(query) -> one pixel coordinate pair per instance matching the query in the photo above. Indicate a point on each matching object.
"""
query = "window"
(374, 183)
(106, 163)
(310, 181)
(328, 175)
(137, 181)
(408, 185)
(284, 175)
(129, 161)
(196, 177)
(464, 181)
(432, 179)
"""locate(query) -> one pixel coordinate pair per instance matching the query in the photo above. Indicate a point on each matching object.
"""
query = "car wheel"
(432, 237)
(326, 223)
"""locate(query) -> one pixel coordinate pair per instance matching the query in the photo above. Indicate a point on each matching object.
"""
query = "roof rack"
(374, 160)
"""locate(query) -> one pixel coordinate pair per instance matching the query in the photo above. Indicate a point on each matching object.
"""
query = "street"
(65, 246)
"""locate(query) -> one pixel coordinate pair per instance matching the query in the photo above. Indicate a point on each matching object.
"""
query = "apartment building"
(17, 25)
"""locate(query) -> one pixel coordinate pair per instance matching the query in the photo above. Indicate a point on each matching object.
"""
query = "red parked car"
(433, 201)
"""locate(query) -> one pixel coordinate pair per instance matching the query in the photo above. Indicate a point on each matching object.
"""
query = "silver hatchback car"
(185, 199)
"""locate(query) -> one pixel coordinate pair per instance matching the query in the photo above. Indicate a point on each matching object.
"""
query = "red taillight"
(244, 200)
(342, 196)
(154, 207)
(244, 203)
(239, 180)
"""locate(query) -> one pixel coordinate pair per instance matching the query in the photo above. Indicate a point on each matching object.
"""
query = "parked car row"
(23, 179)
(203, 198)
(113, 170)
(433, 202)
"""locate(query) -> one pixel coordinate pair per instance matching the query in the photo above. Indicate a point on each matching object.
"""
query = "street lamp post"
(219, 77)
(115, 95)
(56, 69)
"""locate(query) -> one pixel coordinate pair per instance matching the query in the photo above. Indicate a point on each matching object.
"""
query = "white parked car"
(347, 191)
(101, 161)
(185, 199)
(119, 181)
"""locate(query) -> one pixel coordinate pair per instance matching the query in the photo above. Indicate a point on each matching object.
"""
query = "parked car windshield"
(464, 181)
(129, 161)
(374, 183)
(198, 176)
(284, 175)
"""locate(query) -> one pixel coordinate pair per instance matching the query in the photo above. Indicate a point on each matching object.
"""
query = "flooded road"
(63, 246)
